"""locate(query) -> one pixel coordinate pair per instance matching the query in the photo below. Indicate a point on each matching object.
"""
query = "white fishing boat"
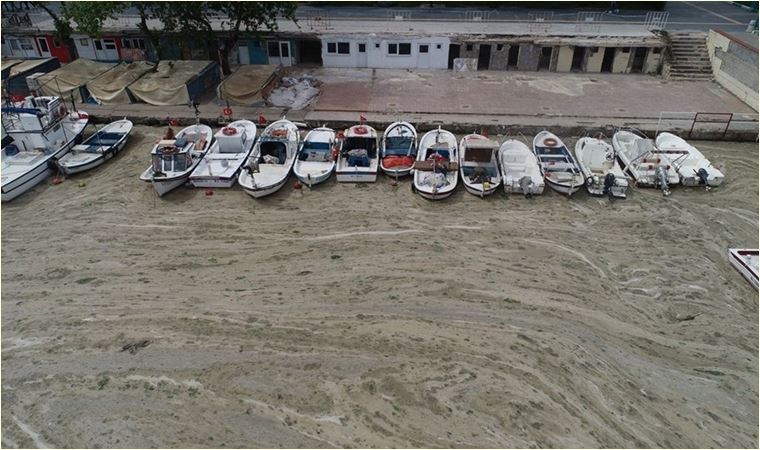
(746, 261)
(692, 166)
(639, 161)
(96, 149)
(398, 150)
(519, 169)
(358, 161)
(601, 171)
(559, 167)
(478, 164)
(43, 131)
(317, 156)
(268, 167)
(436, 169)
(221, 165)
(175, 157)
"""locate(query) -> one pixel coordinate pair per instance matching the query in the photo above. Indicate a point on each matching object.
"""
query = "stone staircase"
(688, 58)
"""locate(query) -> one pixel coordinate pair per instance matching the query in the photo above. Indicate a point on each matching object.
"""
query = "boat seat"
(598, 162)
(90, 148)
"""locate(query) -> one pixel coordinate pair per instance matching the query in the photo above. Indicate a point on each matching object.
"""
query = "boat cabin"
(35, 114)
(231, 139)
(479, 155)
(315, 151)
(168, 156)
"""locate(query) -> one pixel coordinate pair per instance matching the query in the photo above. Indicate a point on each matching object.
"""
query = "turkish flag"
(362, 118)
(262, 120)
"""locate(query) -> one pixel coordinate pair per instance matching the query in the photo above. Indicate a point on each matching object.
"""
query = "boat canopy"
(482, 154)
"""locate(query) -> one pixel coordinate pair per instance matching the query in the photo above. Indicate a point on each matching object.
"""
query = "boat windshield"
(171, 163)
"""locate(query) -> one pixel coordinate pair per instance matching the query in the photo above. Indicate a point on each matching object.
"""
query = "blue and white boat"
(96, 149)
(559, 167)
(43, 130)
(317, 156)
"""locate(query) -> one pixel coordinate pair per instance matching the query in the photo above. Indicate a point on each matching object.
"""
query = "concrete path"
(496, 101)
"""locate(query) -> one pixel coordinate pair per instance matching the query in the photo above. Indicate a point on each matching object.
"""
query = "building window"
(110, 44)
(84, 42)
(273, 48)
(98, 44)
(362, 48)
(423, 48)
(405, 49)
(14, 44)
(126, 43)
(438, 46)
(56, 43)
(332, 47)
(377, 45)
(26, 44)
(499, 47)
(393, 49)
(344, 48)
(656, 51)
(469, 47)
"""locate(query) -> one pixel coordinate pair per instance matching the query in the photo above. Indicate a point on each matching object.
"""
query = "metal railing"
(477, 16)
(588, 21)
(398, 14)
(656, 20)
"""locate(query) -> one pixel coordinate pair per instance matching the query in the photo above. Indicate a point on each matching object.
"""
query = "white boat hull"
(563, 188)
(163, 187)
(356, 177)
(35, 176)
(213, 182)
(311, 180)
(435, 196)
(480, 192)
(534, 189)
(100, 159)
(396, 172)
(263, 192)
(739, 258)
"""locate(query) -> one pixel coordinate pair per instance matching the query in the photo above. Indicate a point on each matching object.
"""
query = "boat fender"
(550, 142)
(229, 131)
(334, 153)
(589, 181)
(360, 130)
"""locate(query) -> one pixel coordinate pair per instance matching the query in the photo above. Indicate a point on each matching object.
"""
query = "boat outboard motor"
(525, 183)
(661, 180)
(609, 183)
(702, 174)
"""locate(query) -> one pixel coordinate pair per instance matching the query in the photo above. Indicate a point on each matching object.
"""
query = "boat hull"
(35, 176)
(597, 190)
(213, 182)
(396, 172)
(313, 180)
(563, 188)
(356, 177)
(480, 192)
(748, 272)
(103, 157)
(263, 192)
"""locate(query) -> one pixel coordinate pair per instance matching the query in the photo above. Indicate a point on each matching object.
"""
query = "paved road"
(683, 15)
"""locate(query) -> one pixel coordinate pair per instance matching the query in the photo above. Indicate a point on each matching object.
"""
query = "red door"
(58, 49)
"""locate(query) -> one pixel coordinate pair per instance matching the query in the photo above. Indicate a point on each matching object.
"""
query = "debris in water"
(135, 346)
(294, 93)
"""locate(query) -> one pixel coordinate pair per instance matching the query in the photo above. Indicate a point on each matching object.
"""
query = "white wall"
(377, 56)
(20, 42)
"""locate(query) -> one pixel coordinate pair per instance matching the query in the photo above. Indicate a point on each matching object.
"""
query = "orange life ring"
(361, 130)
(227, 111)
(280, 132)
(17, 98)
(550, 142)
(229, 131)
(84, 115)
(334, 153)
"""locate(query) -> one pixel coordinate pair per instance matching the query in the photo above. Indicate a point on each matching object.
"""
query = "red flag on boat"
(262, 120)
(362, 118)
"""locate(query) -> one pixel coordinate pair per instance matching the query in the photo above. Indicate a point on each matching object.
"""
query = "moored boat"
(175, 157)
(559, 167)
(96, 149)
(478, 164)
(271, 160)
(746, 261)
(43, 131)
(519, 169)
(692, 166)
(601, 171)
(316, 158)
(398, 150)
(638, 160)
(436, 170)
(221, 164)
(357, 160)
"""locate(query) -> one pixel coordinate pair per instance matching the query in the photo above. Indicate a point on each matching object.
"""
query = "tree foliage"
(90, 16)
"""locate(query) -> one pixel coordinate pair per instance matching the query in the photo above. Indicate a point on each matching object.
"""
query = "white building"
(97, 49)
(385, 52)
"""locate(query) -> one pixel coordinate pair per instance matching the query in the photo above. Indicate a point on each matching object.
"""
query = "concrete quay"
(497, 102)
